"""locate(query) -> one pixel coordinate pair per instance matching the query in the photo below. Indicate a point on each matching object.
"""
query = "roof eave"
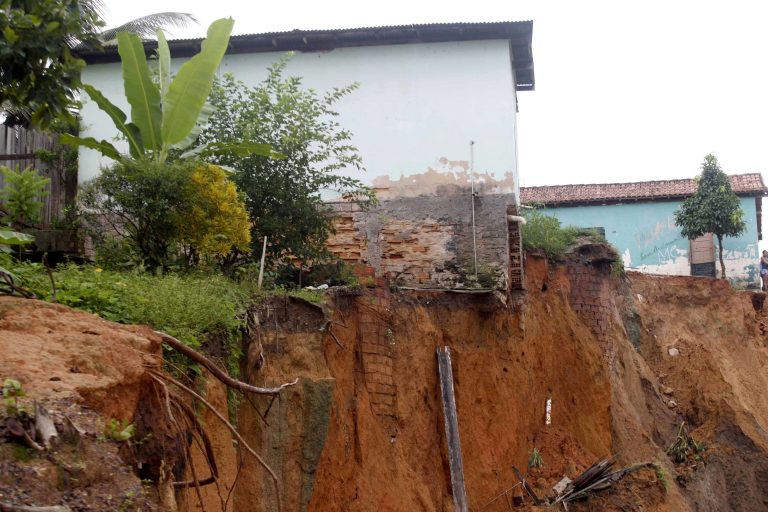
(615, 201)
(519, 33)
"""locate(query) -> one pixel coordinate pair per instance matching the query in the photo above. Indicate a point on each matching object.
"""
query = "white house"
(425, 92)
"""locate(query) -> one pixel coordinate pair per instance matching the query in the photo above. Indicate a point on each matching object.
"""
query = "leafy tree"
(38, 72)
(283, 196)
(215, 219)
(146, 26)
(154, 192)
(164, 209)
(714, 208)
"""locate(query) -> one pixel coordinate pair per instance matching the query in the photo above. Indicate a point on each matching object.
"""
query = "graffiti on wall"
(661, 244)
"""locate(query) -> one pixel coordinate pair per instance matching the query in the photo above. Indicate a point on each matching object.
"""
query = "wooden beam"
(452, 429)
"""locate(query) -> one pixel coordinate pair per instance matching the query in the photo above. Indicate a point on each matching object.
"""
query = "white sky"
(625, 91)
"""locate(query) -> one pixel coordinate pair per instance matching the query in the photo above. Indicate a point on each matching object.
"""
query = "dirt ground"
(615, 391)
(84, 370)
(624, 360)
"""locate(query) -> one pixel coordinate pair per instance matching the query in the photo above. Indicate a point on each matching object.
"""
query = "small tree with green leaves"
(39, 74)
(22, 194)
(283, 196)
(714, 208)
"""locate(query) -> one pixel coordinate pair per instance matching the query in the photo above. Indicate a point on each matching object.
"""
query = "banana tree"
(168, 115)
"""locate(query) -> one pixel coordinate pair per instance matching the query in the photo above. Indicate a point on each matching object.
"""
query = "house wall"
(648, 240)
(417, 108)
(427, 241)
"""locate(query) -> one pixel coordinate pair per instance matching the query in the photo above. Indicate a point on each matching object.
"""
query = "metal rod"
(472, 181)
(263, 257)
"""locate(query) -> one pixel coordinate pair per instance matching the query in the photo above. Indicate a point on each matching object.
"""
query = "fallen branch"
(232, 429)
(216, 371)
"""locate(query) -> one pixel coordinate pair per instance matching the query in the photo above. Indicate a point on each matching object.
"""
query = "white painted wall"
(416, 103)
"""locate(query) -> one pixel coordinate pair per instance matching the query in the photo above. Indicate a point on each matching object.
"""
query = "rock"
(561, 485)
(673, 352)
(667, 390)
(672, 404)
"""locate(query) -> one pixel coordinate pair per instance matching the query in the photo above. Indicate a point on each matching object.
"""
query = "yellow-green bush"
(161, 212)
(215, 219)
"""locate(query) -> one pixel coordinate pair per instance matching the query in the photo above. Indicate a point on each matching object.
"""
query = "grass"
(535, 460)
(194, 307)
(544, 233)
(661, 475)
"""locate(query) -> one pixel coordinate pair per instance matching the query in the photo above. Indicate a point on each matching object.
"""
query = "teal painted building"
(638, 219)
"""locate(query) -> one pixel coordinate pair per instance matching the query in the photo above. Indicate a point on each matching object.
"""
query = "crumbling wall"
(426, 241)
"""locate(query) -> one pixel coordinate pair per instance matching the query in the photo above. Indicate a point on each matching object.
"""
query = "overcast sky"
(624, 91)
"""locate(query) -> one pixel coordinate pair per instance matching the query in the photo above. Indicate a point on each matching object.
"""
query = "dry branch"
(273, 476)
(216, 371)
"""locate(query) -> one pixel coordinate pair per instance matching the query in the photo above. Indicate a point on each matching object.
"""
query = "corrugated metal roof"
(743, 184)
(518, 33)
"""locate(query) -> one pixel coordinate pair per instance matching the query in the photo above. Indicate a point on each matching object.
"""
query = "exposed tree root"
(243, 444)
(218, 373)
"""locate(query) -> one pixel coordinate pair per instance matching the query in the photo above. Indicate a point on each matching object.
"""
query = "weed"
(661, 475)
(617, 267)
(12, 391)
(487, 277)
(544, 233)
(315, 296)
(685, 446)
(535, 460)
(117, 430)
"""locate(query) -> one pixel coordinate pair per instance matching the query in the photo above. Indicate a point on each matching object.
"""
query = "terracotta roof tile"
(743, 184)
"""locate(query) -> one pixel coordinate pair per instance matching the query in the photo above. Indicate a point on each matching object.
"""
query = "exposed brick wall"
(376, 352)
(590, 296)
(426, 240)
(515, 277)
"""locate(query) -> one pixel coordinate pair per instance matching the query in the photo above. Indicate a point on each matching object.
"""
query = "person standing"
(764, 271)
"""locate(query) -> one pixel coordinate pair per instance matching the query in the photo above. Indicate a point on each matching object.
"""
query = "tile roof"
(743, 184)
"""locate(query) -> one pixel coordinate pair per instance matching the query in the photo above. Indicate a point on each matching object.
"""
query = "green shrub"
(165, 213)
(22, 193)
(543, 232)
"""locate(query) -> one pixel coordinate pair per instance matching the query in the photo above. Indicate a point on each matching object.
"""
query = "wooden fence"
(22, 147)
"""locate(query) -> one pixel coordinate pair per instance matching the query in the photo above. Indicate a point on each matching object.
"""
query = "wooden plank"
(18, 149)
(450, 415)
(702, 250)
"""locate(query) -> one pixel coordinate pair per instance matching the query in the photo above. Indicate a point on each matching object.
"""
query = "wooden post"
(452, 429)
(263, 256)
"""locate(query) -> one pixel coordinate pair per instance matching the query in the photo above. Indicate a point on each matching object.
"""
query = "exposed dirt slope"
(707, 344)
(89, 370)
(624, 360)
(596, 344)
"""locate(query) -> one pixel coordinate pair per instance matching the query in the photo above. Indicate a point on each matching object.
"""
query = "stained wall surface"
(645, 235)
(417, 108)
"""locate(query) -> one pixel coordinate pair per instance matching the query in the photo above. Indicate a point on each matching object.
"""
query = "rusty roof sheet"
(743, 184)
